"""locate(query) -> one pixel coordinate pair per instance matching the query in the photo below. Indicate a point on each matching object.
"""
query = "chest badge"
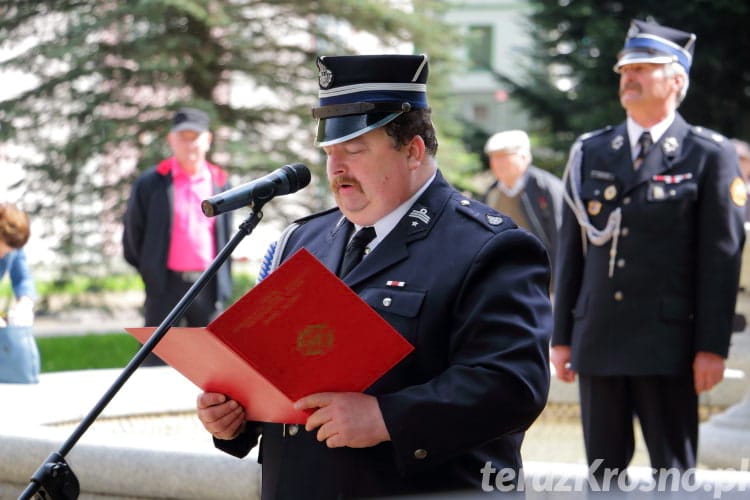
(395, 283)
(657, 192)
(594, 207)
(610, 192)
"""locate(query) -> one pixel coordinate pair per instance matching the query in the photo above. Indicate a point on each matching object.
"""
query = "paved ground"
(555, 437)
(85, 321)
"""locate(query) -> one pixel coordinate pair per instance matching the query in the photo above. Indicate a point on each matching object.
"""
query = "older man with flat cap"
(166, 236)
(532, 197)
(648, 262)
(457, 279)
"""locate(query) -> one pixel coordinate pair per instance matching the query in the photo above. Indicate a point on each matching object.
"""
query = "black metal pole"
(54, 475)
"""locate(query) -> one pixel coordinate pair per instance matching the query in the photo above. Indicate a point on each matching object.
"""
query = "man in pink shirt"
(166, 236)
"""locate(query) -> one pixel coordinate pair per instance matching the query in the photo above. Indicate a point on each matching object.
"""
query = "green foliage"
(108, 76)
(241, 284)
(83, 352)
(578, 40)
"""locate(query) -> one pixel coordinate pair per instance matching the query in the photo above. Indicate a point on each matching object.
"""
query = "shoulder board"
(708, 134)
(315, 215)
(594, 133)
(482, 214)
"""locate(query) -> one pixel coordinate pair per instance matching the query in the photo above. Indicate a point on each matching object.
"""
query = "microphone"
(285, 180)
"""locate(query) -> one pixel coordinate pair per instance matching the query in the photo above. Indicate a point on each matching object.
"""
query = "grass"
(83, 352)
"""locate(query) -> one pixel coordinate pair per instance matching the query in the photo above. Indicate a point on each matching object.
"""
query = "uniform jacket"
(476, 309)
(676, 268)
(14, 263)
(147, 228)
(541, 202)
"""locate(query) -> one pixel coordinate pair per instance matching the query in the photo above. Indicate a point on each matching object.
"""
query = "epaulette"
(484, 215)
(706, 133)
(594, 133)
(315, 215)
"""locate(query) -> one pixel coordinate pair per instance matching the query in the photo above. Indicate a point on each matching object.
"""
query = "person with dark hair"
(167, 238)
(14, 233)
(460, 281)
(648, 263)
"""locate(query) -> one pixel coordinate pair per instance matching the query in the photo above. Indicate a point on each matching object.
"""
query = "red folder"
(299, 331)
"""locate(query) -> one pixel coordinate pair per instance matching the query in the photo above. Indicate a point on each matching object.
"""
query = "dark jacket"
(541, 202)
(676, 268)
(475, 306)
(147, 228)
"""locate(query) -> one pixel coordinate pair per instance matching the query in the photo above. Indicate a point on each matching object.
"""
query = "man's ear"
(679, 79)
(415, 151)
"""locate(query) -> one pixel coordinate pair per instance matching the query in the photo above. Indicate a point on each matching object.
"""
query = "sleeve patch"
(738, 192)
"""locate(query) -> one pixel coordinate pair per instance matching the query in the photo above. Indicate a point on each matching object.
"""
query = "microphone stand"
(54, 479)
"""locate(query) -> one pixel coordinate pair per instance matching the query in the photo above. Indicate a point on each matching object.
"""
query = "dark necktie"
(355, 250)
(645, 142)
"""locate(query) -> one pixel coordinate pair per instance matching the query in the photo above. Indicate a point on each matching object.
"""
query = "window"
(479, 47)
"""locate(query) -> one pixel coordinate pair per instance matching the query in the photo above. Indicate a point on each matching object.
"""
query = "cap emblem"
(325, 76)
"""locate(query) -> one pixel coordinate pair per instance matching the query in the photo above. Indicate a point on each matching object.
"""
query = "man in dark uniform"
(458, 280)
(649, 260)
(532, 197)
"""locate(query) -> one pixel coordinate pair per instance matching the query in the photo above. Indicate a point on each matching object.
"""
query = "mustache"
(630, 86)
(342, 180)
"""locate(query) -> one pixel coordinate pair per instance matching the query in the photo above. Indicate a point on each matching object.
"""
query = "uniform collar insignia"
(617, 142)
(418, 216)
(670, 145)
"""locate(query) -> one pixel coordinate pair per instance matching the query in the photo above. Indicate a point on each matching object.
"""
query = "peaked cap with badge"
(656, 44)
(363, 92)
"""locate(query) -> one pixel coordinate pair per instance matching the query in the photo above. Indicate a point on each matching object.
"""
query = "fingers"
(706, 380)
(207, 399)
(221, 416)
(708, 370)
(565, 374)
(313, 401)
(560, 356)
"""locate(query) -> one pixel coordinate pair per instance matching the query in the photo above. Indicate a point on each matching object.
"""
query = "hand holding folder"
(299, 331)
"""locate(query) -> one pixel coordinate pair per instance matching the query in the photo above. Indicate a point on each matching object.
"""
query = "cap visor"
(642, 57)
(189, 126)
(339, 129)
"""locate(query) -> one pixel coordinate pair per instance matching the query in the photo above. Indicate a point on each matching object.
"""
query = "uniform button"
(672, 192)
(387, 301)
(293, 429)
(624, 231)
(618, 296)
(465, 203)
(420, 454)
(626, 200)
(620, 262)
